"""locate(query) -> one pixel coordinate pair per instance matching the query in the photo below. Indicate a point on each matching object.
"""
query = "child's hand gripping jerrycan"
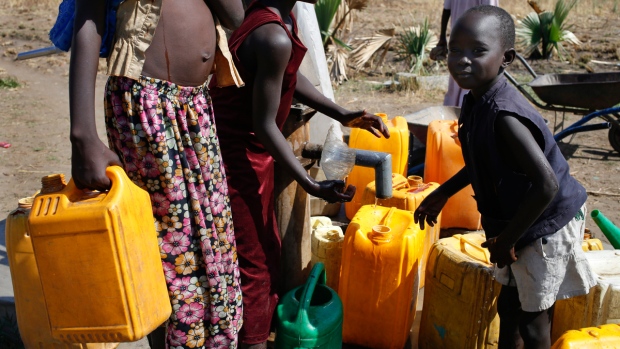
(99, 260)
(310, 316)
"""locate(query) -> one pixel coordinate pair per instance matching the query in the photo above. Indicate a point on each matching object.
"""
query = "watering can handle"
(317, 275)
(485, 252)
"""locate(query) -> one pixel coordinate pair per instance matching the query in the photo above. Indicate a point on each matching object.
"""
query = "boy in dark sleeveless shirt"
(532, 208)
(268, 52)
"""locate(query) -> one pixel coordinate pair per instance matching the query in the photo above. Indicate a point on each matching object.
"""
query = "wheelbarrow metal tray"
(589, 91)
(418, 121)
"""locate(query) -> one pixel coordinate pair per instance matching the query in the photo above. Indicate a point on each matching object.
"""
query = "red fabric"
(249, 171)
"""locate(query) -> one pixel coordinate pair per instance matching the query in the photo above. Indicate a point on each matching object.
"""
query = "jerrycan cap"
(415, 181)
(53, 183)
(25, 202)
(381, 234)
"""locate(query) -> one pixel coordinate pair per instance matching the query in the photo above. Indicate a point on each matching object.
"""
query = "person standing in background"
(452, 10)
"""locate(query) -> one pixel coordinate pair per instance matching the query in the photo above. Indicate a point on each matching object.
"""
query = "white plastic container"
(600, 306)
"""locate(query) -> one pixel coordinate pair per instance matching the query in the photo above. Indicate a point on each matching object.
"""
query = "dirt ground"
(34, 117)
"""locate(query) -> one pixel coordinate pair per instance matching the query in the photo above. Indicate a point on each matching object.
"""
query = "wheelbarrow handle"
(45, 51)
(527, 66)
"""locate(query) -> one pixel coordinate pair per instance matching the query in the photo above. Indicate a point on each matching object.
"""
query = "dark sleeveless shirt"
(498, 189)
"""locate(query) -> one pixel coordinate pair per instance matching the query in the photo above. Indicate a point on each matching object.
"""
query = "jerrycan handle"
(117, 176)
(115, 173)
(483, 253)
(317, 275)
(455, 132)
(400, 183)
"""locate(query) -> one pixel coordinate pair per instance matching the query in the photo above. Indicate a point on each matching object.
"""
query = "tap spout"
(382, 164)
(379, 161)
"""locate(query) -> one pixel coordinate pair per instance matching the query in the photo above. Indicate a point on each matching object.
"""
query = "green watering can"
(310, 316)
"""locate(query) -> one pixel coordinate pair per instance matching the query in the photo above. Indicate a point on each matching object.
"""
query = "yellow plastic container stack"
(407, 194)
(379, 277)
(326, 246)
(602, 337)
(600, 306)
(443, 160)
(460, 296)
(99, 261)
(32, 316)
(592, 245)
(397, 145)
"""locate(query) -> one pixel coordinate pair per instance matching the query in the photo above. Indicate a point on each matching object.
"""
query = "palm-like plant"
(325, 13)
(333, 16)
(413, 44)
(364, 53)
(547, 30)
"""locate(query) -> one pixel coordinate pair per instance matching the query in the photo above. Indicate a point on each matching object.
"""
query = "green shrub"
(9, 82)
(543, 33)
(413, 44)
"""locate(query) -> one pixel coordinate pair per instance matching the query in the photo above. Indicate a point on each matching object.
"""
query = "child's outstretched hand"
(501, 253)
(430, 208)
(367, 121)
(332, 191)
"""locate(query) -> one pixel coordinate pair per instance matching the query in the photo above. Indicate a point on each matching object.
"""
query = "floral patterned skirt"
(165, 136)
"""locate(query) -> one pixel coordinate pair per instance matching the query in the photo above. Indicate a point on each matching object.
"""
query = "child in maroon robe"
(268, 52)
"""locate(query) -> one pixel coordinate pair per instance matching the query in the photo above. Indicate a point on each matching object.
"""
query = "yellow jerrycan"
(602, 337)
(443, 160)
(379, 278)
(591, 245)
(99, 261)
(32, 318)
(460, 296)
(397, 145)
(407, 194)
(326, 245)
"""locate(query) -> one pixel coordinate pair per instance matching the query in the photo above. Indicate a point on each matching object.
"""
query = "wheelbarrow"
(592, 95)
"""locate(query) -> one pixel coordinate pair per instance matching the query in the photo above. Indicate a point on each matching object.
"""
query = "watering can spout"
(611, 231)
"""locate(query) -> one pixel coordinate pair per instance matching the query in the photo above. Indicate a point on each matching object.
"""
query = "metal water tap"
(381, 162)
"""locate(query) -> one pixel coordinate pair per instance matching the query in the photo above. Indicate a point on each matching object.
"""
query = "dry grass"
(404, 10)
(396, 13)
(31, 4)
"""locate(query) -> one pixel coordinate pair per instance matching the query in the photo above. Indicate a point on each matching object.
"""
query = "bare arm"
(307, 94)
(229, 12)
(530, 160)
(445, 17)
(89, 156)
(271, 48)
(440, 51)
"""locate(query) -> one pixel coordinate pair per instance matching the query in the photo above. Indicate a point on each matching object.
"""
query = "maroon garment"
(250, 176)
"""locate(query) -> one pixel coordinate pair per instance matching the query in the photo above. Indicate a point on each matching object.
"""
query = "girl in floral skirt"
(160, 127)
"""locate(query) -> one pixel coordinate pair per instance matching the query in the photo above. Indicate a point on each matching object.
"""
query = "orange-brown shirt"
(136, 21)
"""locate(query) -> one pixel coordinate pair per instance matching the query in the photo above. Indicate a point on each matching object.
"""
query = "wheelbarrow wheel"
(614, 137)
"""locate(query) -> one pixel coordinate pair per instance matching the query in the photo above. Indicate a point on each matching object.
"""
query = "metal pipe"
(382, 163)
(46, 51)
(379, 161)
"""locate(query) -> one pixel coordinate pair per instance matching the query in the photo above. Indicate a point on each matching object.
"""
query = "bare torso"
(183, 47)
